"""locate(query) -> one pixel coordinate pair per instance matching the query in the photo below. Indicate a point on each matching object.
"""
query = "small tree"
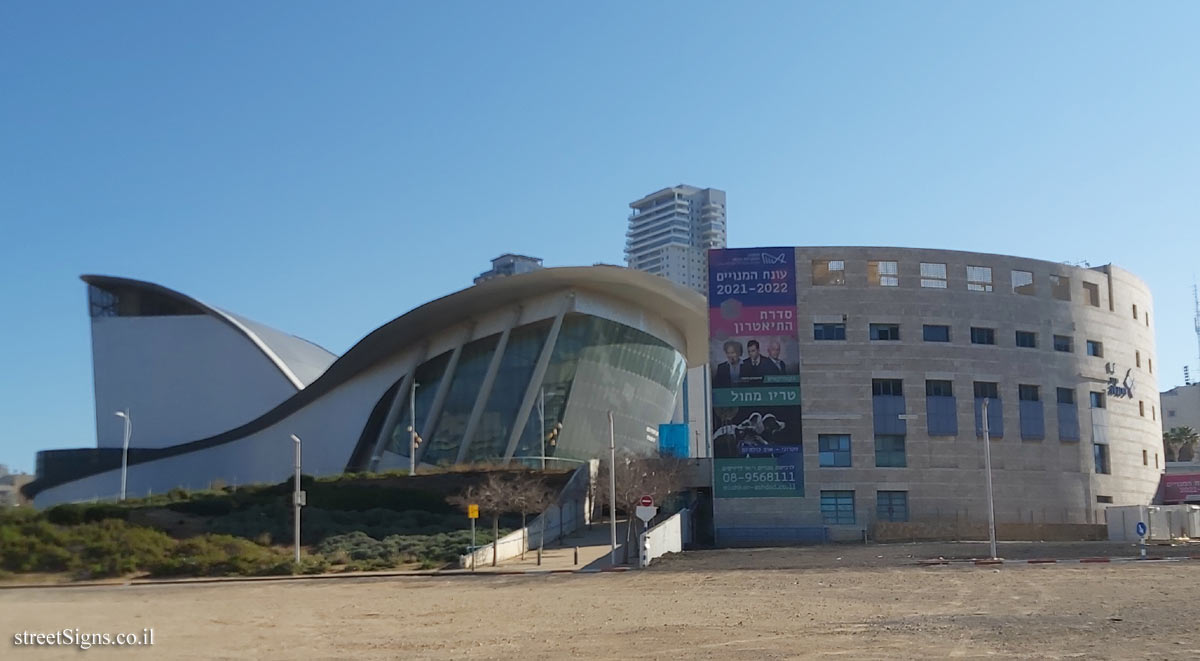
(658, 477)
(530, 495)
(494, 496)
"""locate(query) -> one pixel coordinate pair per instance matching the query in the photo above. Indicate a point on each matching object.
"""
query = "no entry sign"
(646, 501)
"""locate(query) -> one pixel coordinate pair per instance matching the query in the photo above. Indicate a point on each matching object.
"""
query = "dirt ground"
(729, 604)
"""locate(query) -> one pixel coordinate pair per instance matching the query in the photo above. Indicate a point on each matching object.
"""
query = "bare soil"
(729, 604)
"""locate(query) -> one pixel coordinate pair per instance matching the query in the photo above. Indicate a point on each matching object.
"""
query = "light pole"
(125, 448)
(987, 465)
(542, 421)
(297, 500)
(612, 487)
(412, 429)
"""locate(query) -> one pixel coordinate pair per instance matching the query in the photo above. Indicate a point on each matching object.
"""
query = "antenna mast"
(1196, 300)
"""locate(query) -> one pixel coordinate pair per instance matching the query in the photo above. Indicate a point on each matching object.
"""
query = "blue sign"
(673, 440)
(1141, 529)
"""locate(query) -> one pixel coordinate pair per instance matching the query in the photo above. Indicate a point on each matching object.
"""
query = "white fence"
(669, 536)
(571, 512)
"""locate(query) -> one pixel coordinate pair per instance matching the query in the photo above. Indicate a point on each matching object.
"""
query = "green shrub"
(220, 555)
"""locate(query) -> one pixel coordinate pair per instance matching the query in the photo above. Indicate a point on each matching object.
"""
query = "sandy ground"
(750, 604)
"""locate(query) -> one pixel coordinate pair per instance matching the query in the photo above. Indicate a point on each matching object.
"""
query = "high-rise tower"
(671, 231)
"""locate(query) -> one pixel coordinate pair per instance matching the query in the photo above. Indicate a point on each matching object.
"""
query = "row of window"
(886, 273)
(979, 335)
(991, 390)
(837, 507)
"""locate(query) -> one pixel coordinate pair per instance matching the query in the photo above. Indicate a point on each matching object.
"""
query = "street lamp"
(297, 500)
(987, 464)
(125, 447)
(412, 429)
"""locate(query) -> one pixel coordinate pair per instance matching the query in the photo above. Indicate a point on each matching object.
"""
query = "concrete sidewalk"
(594, 552)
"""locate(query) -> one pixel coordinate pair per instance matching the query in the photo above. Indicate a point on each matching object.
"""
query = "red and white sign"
(646, 501)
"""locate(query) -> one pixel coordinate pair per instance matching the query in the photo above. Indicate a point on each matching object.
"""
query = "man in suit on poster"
(756, 366)
(773, 350)
(729, 372)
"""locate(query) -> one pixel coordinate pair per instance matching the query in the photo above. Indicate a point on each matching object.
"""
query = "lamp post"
(987, 465)
(612, 487)
(297, 501)
(542, 422)
(412, 429)
(125, 448)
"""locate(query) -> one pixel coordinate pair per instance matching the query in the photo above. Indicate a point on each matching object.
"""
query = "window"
(983, 335)
(828, 272)
(1028, 393)
(837, 507)
(1147, 320)
(889, 451)
(1135, 315)
(1068, 415)
(887, 387)
(1171, 413)
(1156, 460)
(1100, 453)
(1066, 396)
(1153, 412)
(979, 278)
(1027, 339)
(1097, 399)
(1137, 358)
(935, 388)
(834, 450)
(1063, 343)
(891, 505)
(883, 274)
(1060, 287)
(935, 333)
(885, 331)
(829, 331)
(985, 389)
(1091, 294)
(1141, 408)
(1095, 348)
(933, 275)
(1150, 365)
(1145, 458)
(1104, 499)
(1022, 283)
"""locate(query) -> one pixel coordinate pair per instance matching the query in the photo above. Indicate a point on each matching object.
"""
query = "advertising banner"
(754, 355)
(1181, 488)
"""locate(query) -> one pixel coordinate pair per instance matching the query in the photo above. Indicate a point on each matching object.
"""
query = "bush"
(76, 513)
(221, 555)
(102, 548)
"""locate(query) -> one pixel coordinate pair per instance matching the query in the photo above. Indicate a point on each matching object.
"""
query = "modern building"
(510, 264)
(672, 230)
(214, 396)
(10, 487)
(849, 386)
(1181, 407)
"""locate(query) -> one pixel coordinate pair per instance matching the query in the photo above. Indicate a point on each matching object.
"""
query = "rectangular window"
(934, 388)
(887, 387)
(1145, 458)
(889, 451)
(979, 278)
(828, 272)
(988, 390)
(1027, 339)
(1135, 315)
(1022, 283)
(1137, 358)
(883, 274)
(891, 505)
(1063, 343)
(983, 335)
(834, 450)
(1104, 499)
(1068, 415)
(1060, 287)
(1156, 460)
(1141, 408)
(1091, 294)
(1153, 412)
(1100, 453)
(935, 333)
(1095, 348)
(1066, 396)
(837, 508)
(885, 331)
(933, 275)
(829, 331)
(1150, 365)
(1096, 399)
(1028, 393)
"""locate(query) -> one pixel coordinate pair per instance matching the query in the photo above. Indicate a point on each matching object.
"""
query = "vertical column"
(532, 390)
(485, 388)
(395, 409)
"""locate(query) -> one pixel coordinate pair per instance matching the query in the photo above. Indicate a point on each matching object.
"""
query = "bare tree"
(657, 477)
(530, 495)
(494, 496)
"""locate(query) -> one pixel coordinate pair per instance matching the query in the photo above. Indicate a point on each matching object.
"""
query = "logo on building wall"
(1122, 388)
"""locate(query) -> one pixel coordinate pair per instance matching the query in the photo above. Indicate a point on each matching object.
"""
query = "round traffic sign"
(1141, 529)
(646, 501)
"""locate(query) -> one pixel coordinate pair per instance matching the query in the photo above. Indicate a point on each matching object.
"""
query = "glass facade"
(452, 421)
(429, 377)
(499, 414)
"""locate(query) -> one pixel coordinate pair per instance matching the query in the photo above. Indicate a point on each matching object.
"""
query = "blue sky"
(324, 167)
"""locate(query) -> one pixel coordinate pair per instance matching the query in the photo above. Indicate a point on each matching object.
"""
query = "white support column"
(395, 410)
(535, 380)
(485, 388)
(439, 399)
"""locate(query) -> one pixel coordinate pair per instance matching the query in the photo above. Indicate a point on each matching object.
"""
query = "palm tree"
(1180, 443)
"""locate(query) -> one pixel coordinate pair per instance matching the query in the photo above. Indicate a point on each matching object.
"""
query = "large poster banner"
(755, 361)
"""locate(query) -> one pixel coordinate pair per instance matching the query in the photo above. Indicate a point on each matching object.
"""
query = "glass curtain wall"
(429, 377)
(525, 344)
(452, 422)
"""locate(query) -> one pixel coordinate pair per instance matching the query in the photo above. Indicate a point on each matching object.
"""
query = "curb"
(984, 562)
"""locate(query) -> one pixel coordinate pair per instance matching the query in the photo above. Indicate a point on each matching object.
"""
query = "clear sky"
(323, 167)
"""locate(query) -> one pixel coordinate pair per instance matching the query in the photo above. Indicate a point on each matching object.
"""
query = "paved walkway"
(594, 552)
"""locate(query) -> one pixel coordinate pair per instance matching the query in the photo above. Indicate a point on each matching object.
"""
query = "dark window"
(937, 333)
(987, 390)
(889, 451)
(1063, 343)
(1095, 348)
(1145, 458)
(883, 387)
(885, 331)
(1105, 499)
(1066, 396)
(834, 450)
(1068, 415)
(1028, 393)
(1135, 310)
(939, 388)
(1100, 453)
(1137, 358)
(1091, 293)
(829, 331)
(891, 505)
(1027, 339)
(983, 335)
(837, 507)
(1097, 400)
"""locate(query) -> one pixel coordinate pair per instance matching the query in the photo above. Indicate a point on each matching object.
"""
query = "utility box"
(1123, 520)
